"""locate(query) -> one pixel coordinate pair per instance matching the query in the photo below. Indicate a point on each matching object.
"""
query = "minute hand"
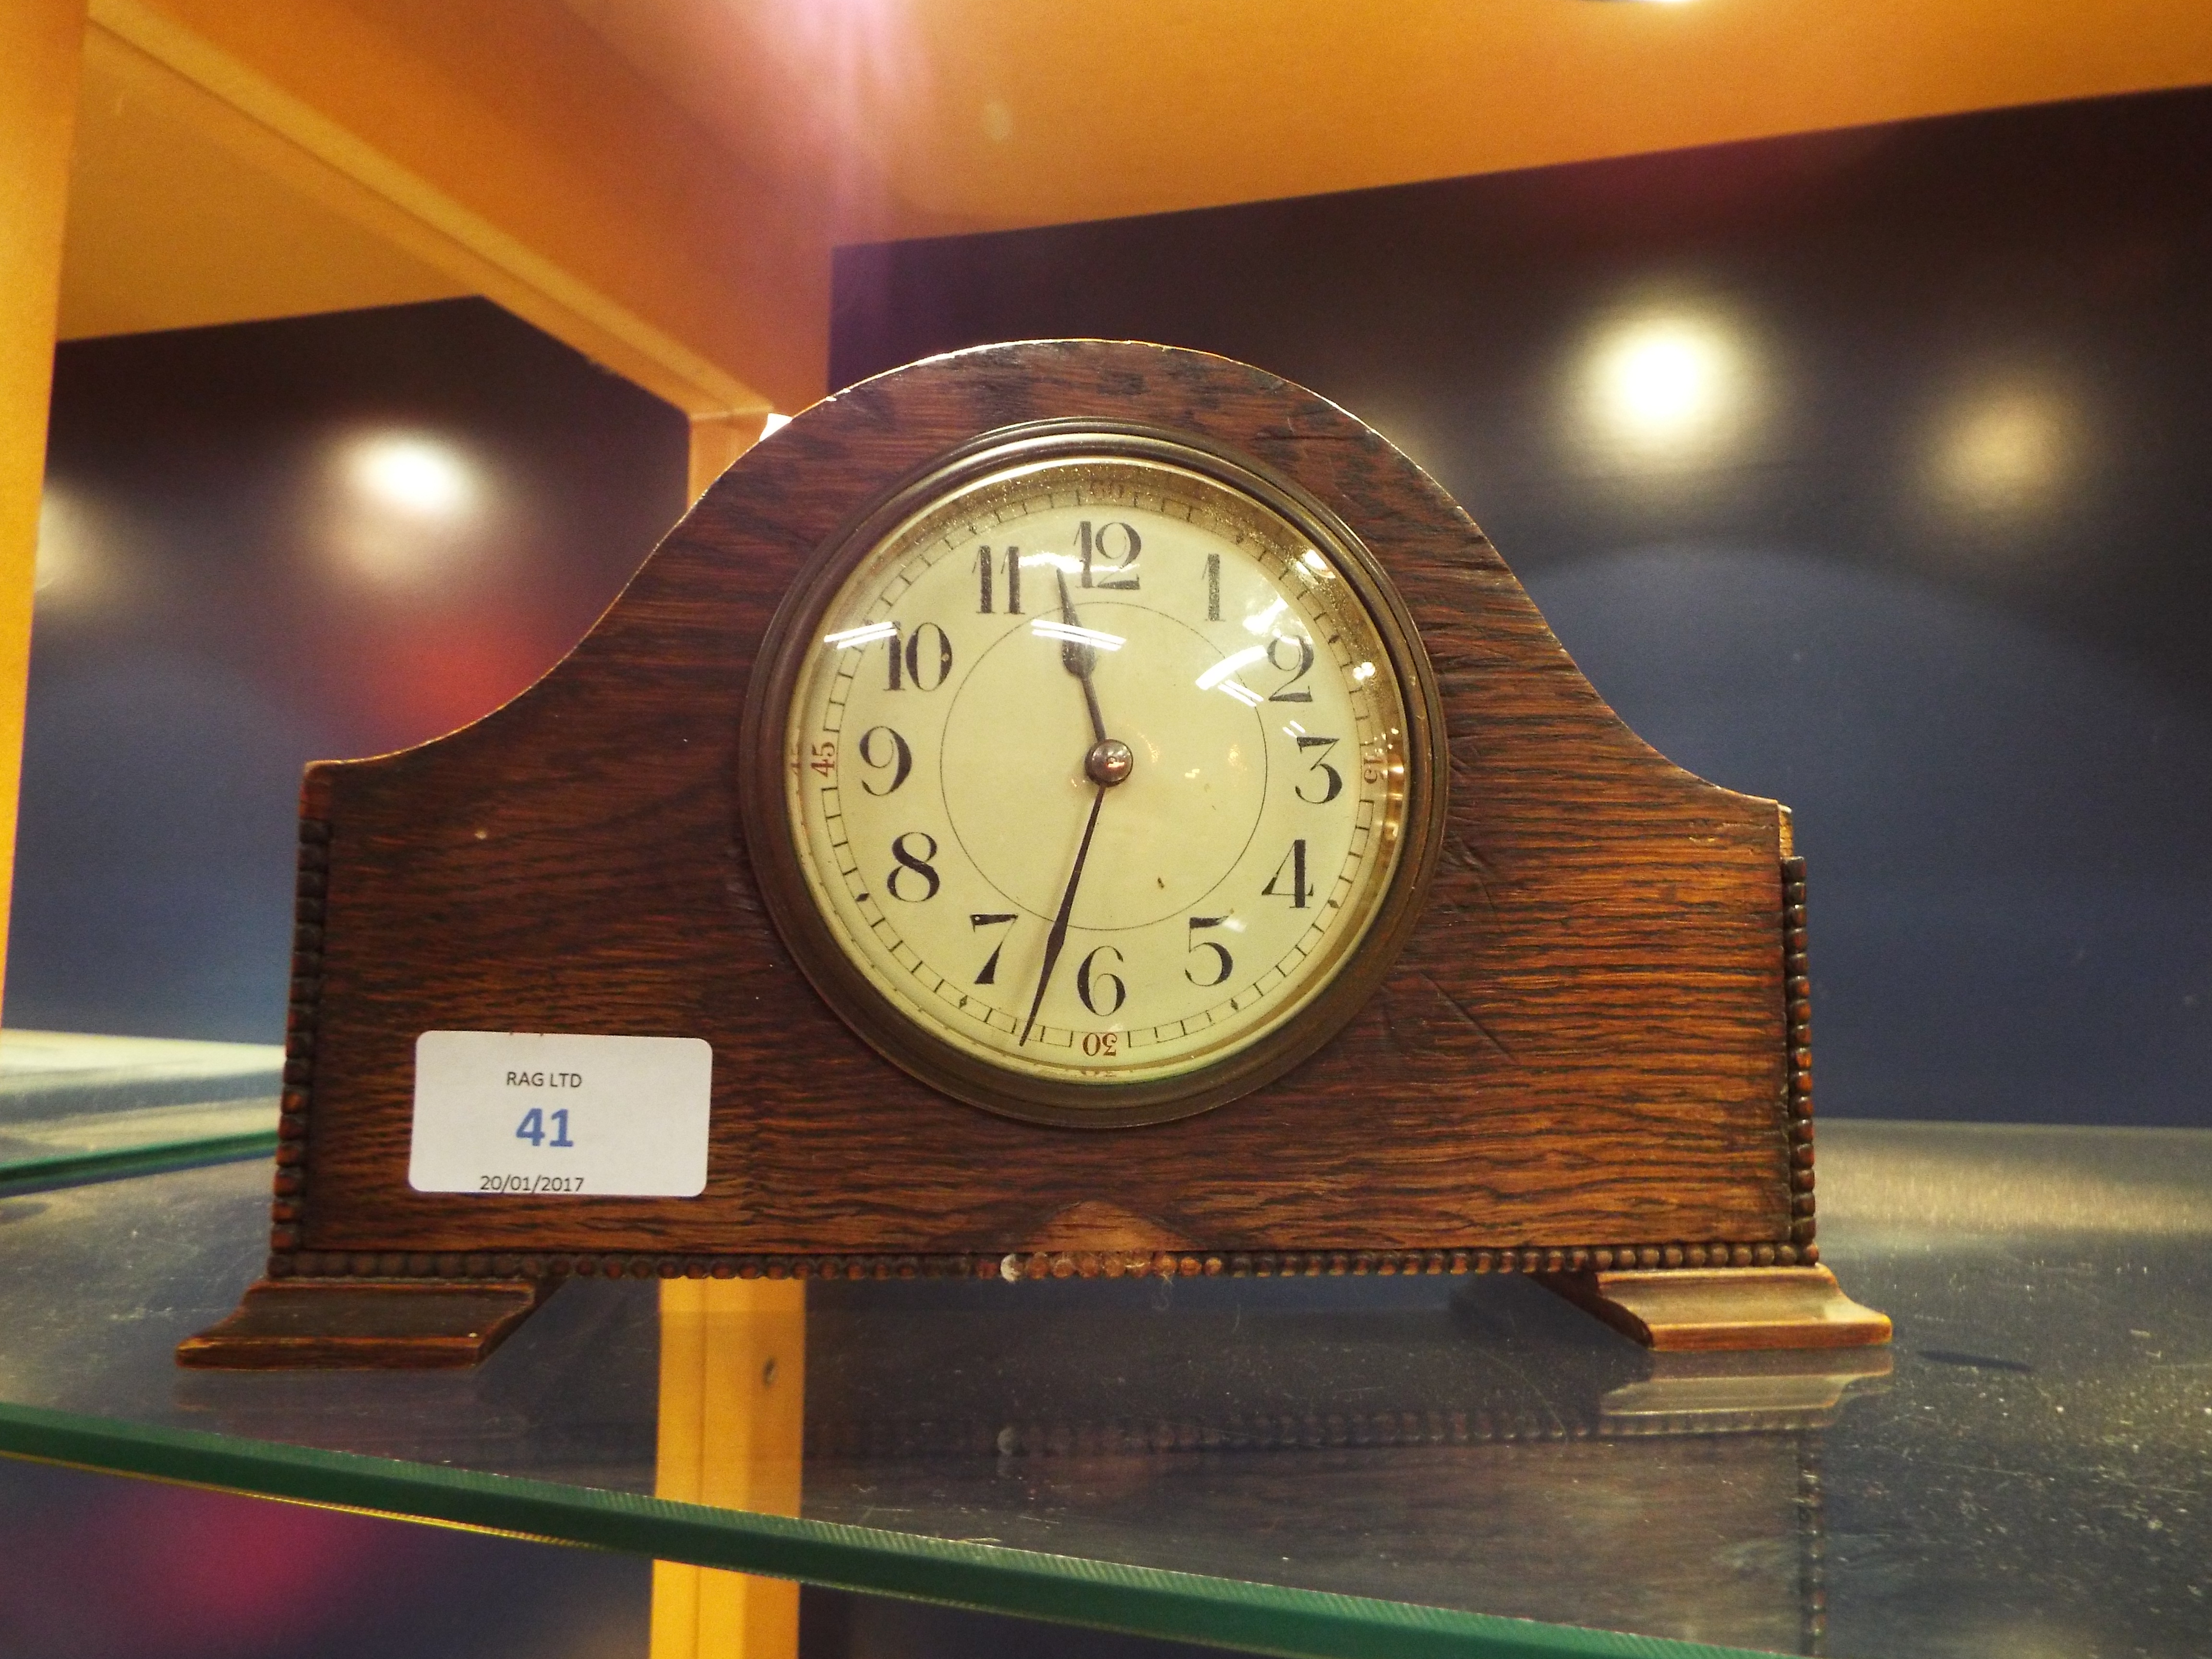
(1058, 937)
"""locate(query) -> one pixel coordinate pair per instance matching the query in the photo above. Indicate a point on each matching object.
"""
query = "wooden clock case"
(1588, 1062)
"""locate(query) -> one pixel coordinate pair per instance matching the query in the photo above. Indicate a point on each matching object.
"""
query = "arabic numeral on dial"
(1115, 569)
(1091, 981)
(1296, 670)
(1331, 781)
(893, 753)
(990, 974)
(913, 663)
(1013, 581)
(1224, 963)
(1292, 869)
(912, 865)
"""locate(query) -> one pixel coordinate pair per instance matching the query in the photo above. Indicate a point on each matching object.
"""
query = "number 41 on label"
(533, 1128)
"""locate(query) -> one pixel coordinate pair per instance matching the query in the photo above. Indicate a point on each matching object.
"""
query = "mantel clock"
(1062, 808)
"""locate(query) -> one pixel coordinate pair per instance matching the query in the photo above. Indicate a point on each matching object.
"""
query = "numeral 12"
(1113, 570)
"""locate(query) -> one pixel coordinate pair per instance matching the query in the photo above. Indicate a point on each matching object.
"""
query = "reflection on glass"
(1068, 633)
(1262, 622)
(1670, 386)
(733, 1420)
(80, 540)
(1223, 672)
(405, 507)
(850, 638)
(408, 473)
(2003, 451)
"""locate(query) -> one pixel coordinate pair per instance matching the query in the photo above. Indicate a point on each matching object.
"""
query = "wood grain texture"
(1583, 1043)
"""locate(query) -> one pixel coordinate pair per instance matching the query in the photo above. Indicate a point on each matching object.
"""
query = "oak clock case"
(1557, 1024)
(1094, 777)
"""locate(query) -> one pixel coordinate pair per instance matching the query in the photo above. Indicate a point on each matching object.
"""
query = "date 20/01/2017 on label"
(548, 1113)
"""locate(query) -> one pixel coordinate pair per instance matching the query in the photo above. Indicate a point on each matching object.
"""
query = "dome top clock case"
(1067, 807)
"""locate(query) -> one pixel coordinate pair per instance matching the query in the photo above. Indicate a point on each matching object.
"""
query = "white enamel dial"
(1095, 769)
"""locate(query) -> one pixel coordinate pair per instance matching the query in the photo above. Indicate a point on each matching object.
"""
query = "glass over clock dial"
(1102, 768)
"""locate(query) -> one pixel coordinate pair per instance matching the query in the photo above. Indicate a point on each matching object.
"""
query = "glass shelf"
(1329, 1467)
(75, 1107)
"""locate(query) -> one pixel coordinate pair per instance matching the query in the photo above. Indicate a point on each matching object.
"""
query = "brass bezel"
(878, 1021)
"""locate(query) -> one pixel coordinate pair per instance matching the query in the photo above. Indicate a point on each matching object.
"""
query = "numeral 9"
(898, 758)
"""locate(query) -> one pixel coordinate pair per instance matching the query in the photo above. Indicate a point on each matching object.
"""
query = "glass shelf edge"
(1025, 1584)
(33, 1175)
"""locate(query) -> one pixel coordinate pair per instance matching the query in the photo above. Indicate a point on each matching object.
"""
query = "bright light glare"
(1668, 386)
(1233, 663)
(407, 508)
(420, 476)
(2003, 450)
(83, 551)
(774, 424)
(1069, 633)
(1262, 622)
(64, 540)
(847, 639)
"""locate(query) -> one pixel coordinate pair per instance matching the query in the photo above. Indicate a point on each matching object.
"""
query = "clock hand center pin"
(1109, 763)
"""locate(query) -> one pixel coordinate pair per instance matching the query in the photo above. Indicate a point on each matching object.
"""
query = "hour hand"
(1079, 658)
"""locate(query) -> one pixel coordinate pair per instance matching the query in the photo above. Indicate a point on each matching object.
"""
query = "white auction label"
(547, 1112)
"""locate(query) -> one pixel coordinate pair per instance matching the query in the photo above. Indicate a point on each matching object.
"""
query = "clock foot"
(1718, 1309)
(295, 1324)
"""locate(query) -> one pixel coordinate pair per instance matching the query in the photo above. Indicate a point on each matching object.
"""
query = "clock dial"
(1097, 771)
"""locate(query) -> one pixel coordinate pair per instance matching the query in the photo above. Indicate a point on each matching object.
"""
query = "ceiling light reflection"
(82, 544)
(848, 639)
(1669, 386)
(1262, 622)
(1069, 634)
(1234, 663)
(407, 473)
(64, 541)
(407, 509)
(2004, 450)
